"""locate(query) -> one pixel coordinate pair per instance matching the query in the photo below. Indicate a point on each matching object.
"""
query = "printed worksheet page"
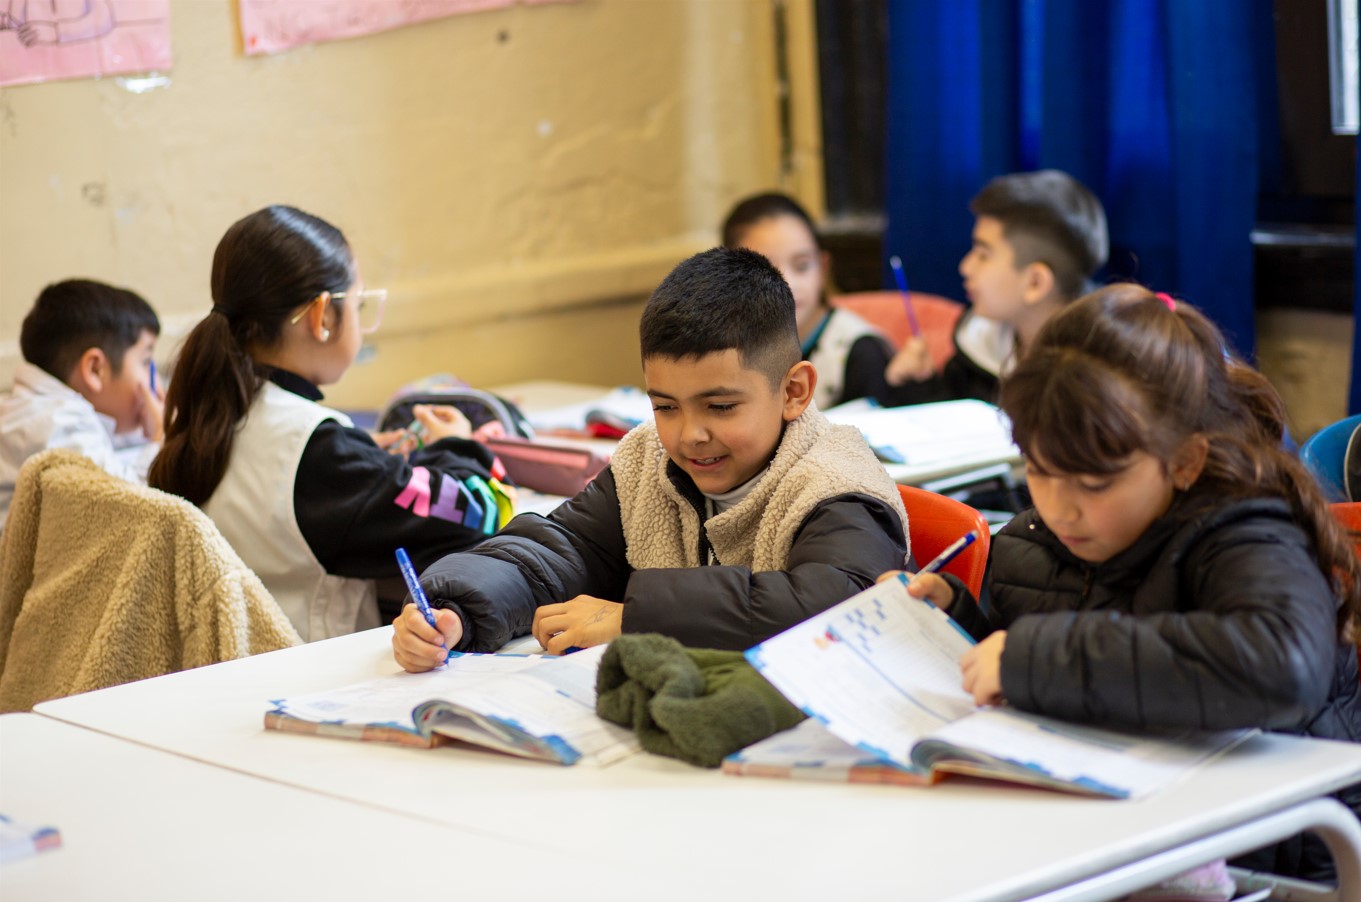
(880, 670)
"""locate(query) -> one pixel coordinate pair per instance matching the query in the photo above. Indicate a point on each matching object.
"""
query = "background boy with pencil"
(1038, 238)
(739, 512)
(86, 376)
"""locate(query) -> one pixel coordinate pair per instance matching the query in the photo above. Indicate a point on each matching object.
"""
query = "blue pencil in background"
(901, 278)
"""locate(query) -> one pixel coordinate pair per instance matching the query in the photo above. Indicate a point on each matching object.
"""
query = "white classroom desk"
(701, 832)
(144, 824)
(953, 440)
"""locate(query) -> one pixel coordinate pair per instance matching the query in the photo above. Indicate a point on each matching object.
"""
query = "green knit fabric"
(695, 704)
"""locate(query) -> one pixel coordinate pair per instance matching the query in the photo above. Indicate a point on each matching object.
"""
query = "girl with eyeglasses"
(312, 504)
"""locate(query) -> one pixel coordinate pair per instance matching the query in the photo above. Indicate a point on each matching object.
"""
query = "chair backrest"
(935, 521)
(1325, 454)
(884, 310)
(1348, 513)
(104, 582)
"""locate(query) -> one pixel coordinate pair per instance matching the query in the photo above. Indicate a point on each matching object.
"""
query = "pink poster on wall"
(270, 26)
(42, 40)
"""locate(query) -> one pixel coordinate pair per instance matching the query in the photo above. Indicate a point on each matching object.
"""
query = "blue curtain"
(1159, 106)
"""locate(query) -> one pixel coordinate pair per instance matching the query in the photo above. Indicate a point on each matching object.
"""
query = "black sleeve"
(964, 610)
(866, 362)
(356, 503)
(962, 378)
(1255, 650)
(841, 548)
(578, 549)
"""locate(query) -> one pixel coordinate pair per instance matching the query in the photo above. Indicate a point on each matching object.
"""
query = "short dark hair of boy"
(73, 316)
(1049, 217)
(723, 299)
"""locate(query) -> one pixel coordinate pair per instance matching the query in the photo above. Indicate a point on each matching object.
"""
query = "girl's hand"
(911, 364)
(441, 421)
(390, 441)
(582, 622)
(929, 586)
(933, 588)
(982, 669)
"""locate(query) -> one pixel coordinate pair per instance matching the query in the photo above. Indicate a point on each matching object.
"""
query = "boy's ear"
(1037, 282)
(91, 373)
(799, 383)
(1189, 461)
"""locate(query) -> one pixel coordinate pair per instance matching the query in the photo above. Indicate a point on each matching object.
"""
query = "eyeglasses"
(368, 304)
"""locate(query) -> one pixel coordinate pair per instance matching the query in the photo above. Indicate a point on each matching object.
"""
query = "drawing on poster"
(272, 26)
(42, 40)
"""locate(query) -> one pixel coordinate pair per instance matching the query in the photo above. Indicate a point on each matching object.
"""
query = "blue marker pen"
(414, 586)
(901, 278)
(949, 554)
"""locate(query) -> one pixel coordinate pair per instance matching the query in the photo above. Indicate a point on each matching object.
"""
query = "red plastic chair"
(884, 310)
(935, 521)
(1348, 513)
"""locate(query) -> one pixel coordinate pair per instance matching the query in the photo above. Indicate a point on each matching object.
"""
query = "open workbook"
(534, 706)
(880, 673)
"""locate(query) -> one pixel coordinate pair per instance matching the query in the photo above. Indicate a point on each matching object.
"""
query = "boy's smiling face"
(719, 421)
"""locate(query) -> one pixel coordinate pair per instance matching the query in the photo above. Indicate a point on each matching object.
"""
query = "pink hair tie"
(1167, 299)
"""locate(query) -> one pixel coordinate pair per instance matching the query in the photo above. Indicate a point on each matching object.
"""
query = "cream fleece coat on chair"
(104, 582)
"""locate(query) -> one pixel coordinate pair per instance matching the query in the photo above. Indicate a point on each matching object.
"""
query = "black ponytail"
(265, 267)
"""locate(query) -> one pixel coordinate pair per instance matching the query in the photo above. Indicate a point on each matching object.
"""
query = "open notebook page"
(880, 670)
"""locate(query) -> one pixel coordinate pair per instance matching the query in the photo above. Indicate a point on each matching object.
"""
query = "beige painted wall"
(1307, 356)
(518, 179)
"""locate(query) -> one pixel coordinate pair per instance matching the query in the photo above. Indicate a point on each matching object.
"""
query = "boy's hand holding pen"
(153, 407)
(913, 361)
(422, 637)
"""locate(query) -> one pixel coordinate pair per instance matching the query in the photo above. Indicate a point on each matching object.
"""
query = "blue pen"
(949, 554)
(414, 586)
(901, 278)
(153, 377)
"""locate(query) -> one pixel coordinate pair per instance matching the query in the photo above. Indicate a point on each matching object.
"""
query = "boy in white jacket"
(85, 383)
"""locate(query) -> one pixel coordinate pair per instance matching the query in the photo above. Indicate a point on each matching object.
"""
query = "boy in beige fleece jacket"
(737, 513)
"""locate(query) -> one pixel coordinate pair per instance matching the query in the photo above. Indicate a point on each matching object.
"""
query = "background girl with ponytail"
(1178, 568)
(313, 505)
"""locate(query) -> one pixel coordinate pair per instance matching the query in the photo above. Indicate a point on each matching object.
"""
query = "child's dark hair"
(1049, 217)
(720, 299)
(760, 207)
(265, 267)
(73, 316)
(1123, 371)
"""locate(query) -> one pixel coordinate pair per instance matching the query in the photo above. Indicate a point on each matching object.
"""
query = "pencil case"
(548, 467)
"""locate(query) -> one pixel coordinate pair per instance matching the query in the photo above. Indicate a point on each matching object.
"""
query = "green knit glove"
(695, 704)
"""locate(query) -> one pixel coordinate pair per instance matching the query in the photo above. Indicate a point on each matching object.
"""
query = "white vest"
(843, 329)
(253, 508)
